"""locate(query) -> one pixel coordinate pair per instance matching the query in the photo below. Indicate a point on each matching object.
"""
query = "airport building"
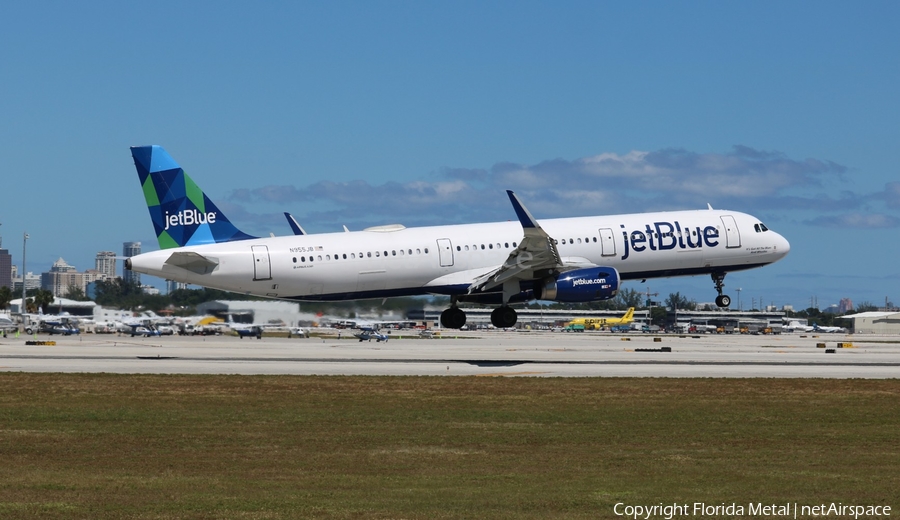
(879, 322)
(250, 311)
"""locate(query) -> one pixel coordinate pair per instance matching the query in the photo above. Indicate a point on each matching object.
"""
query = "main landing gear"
(722, 300)
(502, 317)
(453, 318)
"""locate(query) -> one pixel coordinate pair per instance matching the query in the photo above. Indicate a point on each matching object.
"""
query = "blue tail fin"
(182, 214)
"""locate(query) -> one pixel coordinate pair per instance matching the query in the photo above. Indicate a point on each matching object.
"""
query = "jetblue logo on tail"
(190, 218)
(182, 214)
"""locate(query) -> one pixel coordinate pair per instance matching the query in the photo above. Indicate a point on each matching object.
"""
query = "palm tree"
(6, 296)
(43, 298)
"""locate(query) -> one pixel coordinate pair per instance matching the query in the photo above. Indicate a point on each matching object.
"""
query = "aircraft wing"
(535, 253)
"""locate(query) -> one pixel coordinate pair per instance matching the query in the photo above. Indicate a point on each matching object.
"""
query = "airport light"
(740, 309)
(22, 309)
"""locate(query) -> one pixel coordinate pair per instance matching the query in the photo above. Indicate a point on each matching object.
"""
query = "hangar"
(876, 322)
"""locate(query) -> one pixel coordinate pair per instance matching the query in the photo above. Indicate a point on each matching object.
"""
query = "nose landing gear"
(722, 300)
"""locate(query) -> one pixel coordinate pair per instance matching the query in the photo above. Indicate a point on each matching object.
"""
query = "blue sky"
(366, 113)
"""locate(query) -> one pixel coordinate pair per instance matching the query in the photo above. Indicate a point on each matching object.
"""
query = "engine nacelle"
(579, 286)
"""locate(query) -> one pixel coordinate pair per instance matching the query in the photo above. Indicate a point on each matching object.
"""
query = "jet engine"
(579, 286)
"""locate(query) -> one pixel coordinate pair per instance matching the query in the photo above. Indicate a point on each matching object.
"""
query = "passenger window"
(327, 257)
(394, 252)
(595, 239)
(506, 245)
(385, 253)
(482, 246)
(377, 254)
(579, 240)
(369, 254)
(418, 251)
(401, 252)
(352, 255)
(426, 250)
(514, 244)
(410, 252)
(295, 259)
(467, 248)
(345, 256)
(320, 258)
(458, 248)
(490, 246)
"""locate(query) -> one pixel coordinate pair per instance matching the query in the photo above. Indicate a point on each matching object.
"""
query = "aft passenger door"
(732, 234)
(262, 268)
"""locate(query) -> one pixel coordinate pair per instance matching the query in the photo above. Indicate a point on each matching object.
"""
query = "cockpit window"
(760, 227)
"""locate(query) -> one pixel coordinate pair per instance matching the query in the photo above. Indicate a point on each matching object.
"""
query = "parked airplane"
(567, 260)
(7, 324)
(246, 329)
(368, 334)
(599, 323)
(817, 328)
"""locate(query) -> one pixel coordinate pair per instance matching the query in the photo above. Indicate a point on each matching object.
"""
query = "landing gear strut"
(722, 300)
(504, 317)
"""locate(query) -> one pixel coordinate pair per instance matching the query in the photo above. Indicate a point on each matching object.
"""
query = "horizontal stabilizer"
(196, 263)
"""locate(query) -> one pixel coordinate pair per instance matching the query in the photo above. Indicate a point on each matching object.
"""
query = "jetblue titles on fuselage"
(662, 236)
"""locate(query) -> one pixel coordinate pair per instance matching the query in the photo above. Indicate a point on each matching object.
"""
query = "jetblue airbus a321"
(579, 259)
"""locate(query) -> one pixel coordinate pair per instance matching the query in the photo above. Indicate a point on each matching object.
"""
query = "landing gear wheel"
(723, 300)
(453, 318)
(504, 317)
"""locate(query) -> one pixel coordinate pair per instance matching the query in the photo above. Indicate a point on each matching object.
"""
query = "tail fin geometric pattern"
(182, 214)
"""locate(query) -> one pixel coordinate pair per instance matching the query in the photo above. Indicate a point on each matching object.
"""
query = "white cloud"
(742, 179)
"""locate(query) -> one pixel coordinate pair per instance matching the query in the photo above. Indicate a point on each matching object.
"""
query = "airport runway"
(489, 353)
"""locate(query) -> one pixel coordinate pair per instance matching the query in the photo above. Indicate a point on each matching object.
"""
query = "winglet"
(295, 227)
(522, 212)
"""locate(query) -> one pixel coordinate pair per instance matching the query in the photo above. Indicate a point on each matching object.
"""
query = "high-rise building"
(172, 286)
(6, 275)
(845, 305)
(130, 249)
(61, 278)
(105, 262)
(32, 281)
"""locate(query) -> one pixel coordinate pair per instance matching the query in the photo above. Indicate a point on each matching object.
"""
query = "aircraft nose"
(782, 246)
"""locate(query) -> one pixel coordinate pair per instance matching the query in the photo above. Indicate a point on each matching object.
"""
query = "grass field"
(120, 446)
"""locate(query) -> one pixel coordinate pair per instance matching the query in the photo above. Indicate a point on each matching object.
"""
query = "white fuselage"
(446, 259)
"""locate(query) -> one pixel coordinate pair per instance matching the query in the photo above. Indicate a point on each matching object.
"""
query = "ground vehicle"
(574, 328)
